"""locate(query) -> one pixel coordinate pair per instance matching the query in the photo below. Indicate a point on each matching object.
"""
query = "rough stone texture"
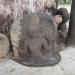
(65, 67)
(34, 39)
(4, 45)
(5, 23)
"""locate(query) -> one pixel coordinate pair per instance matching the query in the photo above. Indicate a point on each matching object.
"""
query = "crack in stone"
(63, 69)
(72, 59)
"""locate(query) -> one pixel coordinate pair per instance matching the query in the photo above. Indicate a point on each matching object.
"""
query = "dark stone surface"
(34, 40)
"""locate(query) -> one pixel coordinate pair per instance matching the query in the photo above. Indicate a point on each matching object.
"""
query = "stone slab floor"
(65, 67)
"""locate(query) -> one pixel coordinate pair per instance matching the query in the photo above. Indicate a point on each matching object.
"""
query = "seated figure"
(61, 17)
(34, 40)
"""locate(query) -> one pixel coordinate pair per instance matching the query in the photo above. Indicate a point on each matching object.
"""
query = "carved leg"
(54, 55)
(35, 46)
